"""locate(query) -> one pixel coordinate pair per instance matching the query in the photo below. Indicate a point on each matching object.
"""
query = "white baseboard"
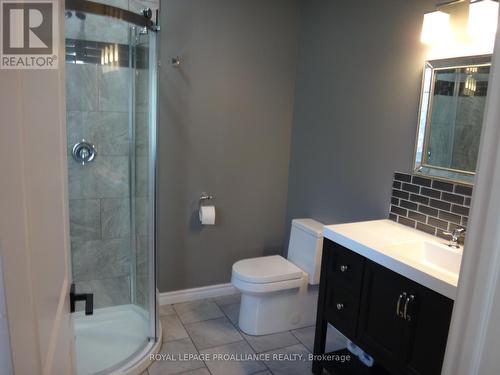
(193, 294)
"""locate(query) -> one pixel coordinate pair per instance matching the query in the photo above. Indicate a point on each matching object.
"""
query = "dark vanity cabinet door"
(380, 327)
(427, 333)
(409, 336)
(343, 289)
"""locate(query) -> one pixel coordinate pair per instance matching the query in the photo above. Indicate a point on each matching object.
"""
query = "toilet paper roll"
(207, 215)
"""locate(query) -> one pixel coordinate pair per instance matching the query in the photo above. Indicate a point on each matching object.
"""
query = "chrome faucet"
(455, 236)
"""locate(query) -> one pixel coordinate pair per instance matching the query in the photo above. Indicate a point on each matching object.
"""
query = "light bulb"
(435, 28)
(483, 18)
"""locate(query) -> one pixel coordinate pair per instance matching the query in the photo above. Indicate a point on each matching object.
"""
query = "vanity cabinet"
(401, 324)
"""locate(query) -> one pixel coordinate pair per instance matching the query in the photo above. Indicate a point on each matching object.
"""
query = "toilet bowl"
(279, 294)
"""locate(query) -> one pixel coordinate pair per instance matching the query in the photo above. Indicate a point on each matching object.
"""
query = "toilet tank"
(306, 246)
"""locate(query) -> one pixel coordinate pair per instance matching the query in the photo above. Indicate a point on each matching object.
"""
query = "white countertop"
(394, 246)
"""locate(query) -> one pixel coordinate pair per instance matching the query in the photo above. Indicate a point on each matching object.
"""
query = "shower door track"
(110, 11)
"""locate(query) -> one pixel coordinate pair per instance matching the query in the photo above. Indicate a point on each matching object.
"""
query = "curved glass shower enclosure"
(111, 130)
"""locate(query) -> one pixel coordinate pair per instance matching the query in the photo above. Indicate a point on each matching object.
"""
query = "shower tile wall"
(99, 192)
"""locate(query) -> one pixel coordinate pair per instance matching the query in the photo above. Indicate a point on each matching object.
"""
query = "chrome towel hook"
(177, 61)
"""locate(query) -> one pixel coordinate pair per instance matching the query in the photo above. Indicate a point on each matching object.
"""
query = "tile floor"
(210, 327)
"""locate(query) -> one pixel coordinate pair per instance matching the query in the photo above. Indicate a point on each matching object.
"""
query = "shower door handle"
(87, 297)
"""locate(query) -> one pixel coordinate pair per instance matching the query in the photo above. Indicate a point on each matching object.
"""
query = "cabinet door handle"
(340, 306)
(398, 304)
(409, 299)
(344, 268)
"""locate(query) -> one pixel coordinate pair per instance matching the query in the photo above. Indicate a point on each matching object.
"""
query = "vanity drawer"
(342, 310)
(346, 269)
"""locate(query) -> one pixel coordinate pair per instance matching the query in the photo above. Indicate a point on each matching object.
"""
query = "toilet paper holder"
(205, 197)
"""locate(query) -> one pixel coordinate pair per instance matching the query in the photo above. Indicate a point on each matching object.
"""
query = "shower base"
(113, 336)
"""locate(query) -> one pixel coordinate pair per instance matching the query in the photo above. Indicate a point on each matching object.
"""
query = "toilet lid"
(266, 269)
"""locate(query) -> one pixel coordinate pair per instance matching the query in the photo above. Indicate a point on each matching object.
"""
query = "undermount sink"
(431, 254)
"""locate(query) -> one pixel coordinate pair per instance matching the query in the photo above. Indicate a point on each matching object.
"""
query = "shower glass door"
(111, 131)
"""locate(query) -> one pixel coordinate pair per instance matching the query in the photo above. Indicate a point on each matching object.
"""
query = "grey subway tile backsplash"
(411, 188)
(461, 210)
(402, 177)
(454, 198)
(464, 190)
(428, 210)
(452, 218)
(436, 203)
(406, 221)
(421, 181)
(400, 194)
(429, 205)
(426, 228)
(440, 185)
(399, 211)
(408, 205)
(419, 198)
(431, 193)
(417, 216)
(437, 223)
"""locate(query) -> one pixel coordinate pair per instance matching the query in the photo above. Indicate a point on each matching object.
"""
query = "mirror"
(451, 113)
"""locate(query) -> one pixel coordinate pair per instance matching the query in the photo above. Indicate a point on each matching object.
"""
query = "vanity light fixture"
(482, 22)
(483, 18)
(436, 27)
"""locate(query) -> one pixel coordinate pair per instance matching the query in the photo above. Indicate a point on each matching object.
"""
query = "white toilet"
(279, 294)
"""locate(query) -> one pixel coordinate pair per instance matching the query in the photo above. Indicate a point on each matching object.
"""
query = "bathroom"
(292, 127)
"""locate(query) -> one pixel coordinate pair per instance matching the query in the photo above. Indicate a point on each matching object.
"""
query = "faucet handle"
(455, 236)
(456, 233)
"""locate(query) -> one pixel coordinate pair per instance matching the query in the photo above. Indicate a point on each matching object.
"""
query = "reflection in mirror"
(451, 116)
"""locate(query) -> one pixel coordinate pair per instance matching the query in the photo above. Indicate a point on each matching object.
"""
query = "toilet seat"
(266, 274)
(256, 288)
(268, 269)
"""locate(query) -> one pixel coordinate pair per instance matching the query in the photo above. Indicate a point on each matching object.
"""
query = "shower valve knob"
(84, 152)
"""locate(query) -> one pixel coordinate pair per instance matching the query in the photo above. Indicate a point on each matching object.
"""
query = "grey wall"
(225, 123)
(357, 93)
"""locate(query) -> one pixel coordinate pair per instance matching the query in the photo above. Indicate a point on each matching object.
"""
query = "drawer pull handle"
(398, 305)
(340, 306)
(409, 299)
(344, 268)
